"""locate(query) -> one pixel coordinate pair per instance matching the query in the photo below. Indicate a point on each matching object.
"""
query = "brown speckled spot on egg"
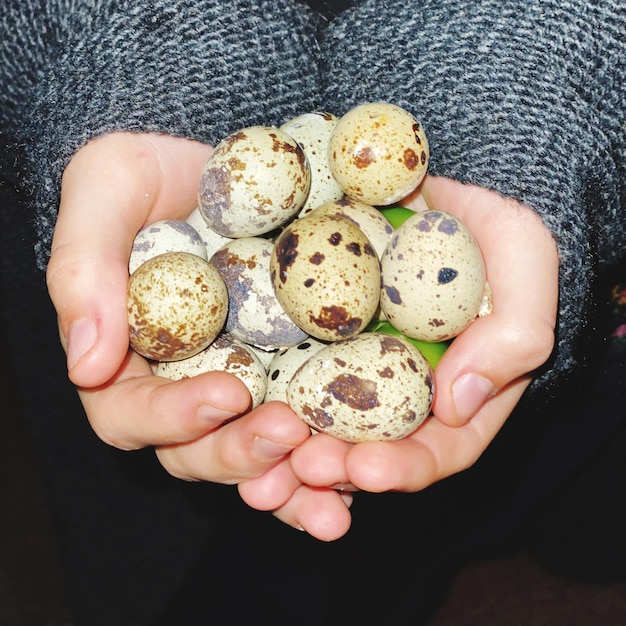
(166, 345)
(317, 258)
(410, 159)
(409, 417)
(364, 157)
(286, 252)
(358, 393)
(417, 129)
(320, 418)
(412, 365)
(369, 250)
(386, 372)
(338, 319)
(234, 138)
(335, 239)
(354, 248)
(388, 343)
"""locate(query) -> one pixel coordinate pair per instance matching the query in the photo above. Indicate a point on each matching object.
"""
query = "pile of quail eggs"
(290, 275)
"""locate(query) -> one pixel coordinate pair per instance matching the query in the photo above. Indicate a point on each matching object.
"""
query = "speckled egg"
(256, 180)
(326, 276)
(433, 277)
(165, 236)
(265, 355)
(284, 365)
(369, 219)
(225, 354)
(373, 387)
(255, 315)
(378, 153)
(312, 131)
(212, 241)
(177, 305)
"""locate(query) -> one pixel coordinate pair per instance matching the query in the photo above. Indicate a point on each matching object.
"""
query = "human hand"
(112, 187)
(484, 372)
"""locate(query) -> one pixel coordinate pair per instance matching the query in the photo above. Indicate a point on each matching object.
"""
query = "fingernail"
(469, 393)
(269, 449)
(81, 338)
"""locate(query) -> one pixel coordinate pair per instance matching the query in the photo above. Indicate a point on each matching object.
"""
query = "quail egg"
(212, 241)
(285, 363)
(165, 236)
(372, 387)
(326, 275)
(256, 180)
(378, 153)
(255, 316)
(225, 354)
(312, 131)
(369, 219)
(433, 277)
(177, 305)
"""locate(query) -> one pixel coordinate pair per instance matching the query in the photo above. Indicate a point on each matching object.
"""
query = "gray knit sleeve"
(525, 98)
(192, 68)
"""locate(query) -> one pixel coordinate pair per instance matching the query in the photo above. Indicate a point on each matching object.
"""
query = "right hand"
(112, 187)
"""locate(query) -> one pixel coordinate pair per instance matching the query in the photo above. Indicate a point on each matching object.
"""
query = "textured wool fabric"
(186, 68)
(526, 98)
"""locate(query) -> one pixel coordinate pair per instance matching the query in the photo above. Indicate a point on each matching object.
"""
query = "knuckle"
(532, 345)
(63, 267)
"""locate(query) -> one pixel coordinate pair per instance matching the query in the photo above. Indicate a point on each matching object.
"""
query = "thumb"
(522, 270)
(113, 186)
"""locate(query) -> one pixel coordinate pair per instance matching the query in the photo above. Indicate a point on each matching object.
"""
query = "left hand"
(484, 372)
(113, 186)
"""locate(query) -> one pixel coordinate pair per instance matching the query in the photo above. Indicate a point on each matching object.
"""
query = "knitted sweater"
(526, 98)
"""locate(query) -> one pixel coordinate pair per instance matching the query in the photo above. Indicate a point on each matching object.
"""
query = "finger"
(323, 513)
(521, 260)
(137, 409)
(271, 490)
(320, 461)
(240, 450)
(434, 452)
(109, 189)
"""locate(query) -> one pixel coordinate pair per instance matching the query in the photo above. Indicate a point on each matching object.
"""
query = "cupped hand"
(113, 187)
(484, 372)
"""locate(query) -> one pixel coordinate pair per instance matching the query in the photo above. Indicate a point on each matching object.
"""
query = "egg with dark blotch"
(369, 219)
(326, 275)
(177, 305)
(255, 315)
(256, 180)
(378, 153)
(373, 387)
(433, 277)
(225, 354)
